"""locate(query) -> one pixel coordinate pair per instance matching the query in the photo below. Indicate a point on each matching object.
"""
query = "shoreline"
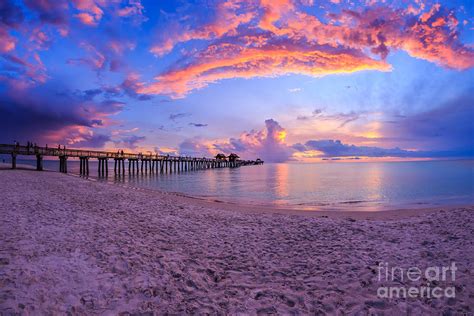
(387, 213)
(91, 247)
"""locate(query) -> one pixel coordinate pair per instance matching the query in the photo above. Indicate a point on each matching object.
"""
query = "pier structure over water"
(137, 163)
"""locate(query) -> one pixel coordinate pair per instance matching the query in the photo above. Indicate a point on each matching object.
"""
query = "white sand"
(84, 247)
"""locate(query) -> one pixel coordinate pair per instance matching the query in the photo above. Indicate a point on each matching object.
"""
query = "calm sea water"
(331, 185)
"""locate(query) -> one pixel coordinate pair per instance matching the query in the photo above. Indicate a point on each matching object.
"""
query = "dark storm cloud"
(24, 118)
(44, 115)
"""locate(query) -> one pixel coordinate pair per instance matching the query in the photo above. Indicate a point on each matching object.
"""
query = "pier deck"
(136, 162)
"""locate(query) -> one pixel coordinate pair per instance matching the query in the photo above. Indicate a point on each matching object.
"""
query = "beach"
(71, 245)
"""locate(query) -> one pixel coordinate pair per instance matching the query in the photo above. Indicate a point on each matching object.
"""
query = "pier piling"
(63, 163)
(83, 166)
(39, 162)
(13, 161)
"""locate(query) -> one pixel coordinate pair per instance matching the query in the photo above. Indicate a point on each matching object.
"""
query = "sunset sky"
(279, 79)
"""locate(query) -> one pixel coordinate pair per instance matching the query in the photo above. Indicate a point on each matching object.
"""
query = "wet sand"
(87, 247)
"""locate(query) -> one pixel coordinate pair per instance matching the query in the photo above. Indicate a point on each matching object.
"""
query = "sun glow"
(281, 136)
(308, 155)
(372, 132)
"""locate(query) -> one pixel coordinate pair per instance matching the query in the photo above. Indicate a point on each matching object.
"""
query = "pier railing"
(149, 162)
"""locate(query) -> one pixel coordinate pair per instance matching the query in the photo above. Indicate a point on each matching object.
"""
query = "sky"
(281, 80)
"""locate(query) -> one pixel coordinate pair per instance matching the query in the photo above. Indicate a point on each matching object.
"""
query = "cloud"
(23, 37)
(11, 17)
(78, 136)
(176, 116)
(11, 14)
(198, 124)
(335, 148)
(109, 107)
(130, 86)
(21, 73)
(7, 42)
(274, 59)
(449, 125)
(226, 21)
(39, 115)
(195, 147)
(342, 118)
(108, 54)
(294, 90)
(267, 144)
(134, 9)
(431, 35)
(275, 38)
(126, 88)
(270, 145)
(49, 11)
(57, 12)
(96, 59)
(129, 141)
(166, 151)
(86, 18)
(314, 114)
(90, 94)
(91, 12)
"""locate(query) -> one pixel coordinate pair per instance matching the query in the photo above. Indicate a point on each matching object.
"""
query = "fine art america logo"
(413, 282)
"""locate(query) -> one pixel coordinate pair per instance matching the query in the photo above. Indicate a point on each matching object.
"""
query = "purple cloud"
(41, 116)
(197, 124)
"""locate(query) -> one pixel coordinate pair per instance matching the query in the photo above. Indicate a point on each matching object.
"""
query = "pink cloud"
(50, 117)
(268, 144)
(11, 17)
(90, 14)
(119, 46)
(30, 71)
(7, 42)
(134, 8)
(274, 38)
(40, 38)
(226, 23)
(273, 10)
(90, 6)
(86, 18)
(96, 59)
(227, 60)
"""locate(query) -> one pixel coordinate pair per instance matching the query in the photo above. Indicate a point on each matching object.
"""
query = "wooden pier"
(137, 163)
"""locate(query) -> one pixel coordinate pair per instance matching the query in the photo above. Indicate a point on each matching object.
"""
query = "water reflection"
(373, 182)
(327, 185)
(281, 184)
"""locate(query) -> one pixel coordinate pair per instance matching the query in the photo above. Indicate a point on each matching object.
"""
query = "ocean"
(325, 185)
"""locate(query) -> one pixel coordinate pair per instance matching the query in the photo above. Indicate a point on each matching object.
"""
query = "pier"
(137, 163)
